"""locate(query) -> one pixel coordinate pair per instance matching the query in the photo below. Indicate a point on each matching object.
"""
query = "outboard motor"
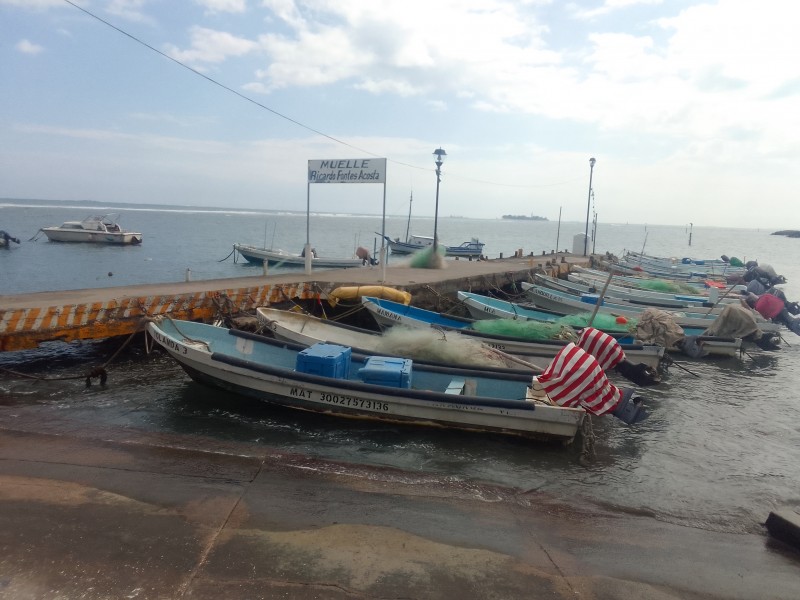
(630, 409)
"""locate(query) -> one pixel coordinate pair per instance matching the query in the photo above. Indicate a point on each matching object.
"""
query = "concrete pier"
(26, 320)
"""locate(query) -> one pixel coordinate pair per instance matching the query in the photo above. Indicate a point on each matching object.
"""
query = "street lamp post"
(439, 155)
(588, 205)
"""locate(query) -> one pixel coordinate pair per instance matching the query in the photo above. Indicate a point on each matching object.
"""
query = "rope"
(588, 439)
(97, 372)
(229, 255)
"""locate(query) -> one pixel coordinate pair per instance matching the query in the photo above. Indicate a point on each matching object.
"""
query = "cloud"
(220, 6)
(27, 47)
(411, 47)
(36, 4)
(211, 47)
(610, 6)
(130, 10)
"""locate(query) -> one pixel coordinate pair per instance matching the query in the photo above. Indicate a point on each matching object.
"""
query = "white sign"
(354, 170)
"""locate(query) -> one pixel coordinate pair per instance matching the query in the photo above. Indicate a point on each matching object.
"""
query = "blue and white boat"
(332, 380)
(577, 285)
(415, 243)
(494, 308)
(389, 314)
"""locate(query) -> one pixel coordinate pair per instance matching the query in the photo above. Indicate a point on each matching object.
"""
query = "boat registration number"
(340, 399)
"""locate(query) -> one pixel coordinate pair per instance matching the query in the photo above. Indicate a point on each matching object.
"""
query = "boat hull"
(54, 234)
(283, 259)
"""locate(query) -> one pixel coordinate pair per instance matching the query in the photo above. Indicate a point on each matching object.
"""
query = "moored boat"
(415, 243)
(389, 314)
(102, 229)
(6, 239)
(281, 258)
(564, 303)
(332, 380)
(495, 308)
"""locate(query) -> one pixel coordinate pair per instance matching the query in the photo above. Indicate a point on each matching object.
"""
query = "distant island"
(794, 233)
(524, 218)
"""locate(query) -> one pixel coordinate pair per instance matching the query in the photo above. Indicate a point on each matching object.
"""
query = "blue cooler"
(591, 299)
(327, 360)
(384, 370)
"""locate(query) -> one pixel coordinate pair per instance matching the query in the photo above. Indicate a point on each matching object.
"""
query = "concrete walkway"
(115, 513)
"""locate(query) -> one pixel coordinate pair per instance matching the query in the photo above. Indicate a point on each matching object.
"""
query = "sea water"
(720, 450)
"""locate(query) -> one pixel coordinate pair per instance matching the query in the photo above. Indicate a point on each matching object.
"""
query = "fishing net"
(601, 321)
(428, 259)
(560, 329)
(439, 346)
(659, 285)
(528, 330)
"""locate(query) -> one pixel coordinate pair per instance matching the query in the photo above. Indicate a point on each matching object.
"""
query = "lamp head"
(591, 163)
(439, 155)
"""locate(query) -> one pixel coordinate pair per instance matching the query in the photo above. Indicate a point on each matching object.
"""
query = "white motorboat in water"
(97, 229)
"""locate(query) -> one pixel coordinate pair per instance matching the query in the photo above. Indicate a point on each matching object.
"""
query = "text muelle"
(362, 163)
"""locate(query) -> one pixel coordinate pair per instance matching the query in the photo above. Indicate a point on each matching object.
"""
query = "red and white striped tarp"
(576, 378)
(602, 346)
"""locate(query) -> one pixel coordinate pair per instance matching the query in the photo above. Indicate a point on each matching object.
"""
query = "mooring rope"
(587, 441)
(97, 372)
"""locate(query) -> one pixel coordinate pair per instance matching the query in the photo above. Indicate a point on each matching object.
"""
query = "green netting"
(562, 329)
(601, 321)
(735, 262)
(660, 285)
(527, 330)
(427, 259)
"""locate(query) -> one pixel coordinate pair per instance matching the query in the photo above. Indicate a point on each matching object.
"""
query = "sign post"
(359, 170)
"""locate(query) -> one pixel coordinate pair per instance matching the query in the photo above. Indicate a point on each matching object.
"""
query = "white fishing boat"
(281, 258)
(494, 308)
(102, 229)
(426, 345)
(576, 285)
(332, 380)
(566, 304)
(633, 302)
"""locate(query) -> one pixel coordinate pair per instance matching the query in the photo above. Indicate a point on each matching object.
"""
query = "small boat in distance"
(6, 239)
(415, 243)
(102, 229)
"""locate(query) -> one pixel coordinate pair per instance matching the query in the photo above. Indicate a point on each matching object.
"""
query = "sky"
(690, 108)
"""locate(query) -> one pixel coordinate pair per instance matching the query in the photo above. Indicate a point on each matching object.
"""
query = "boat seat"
(456, 386)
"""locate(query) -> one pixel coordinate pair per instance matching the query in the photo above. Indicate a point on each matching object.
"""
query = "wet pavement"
(98, 513)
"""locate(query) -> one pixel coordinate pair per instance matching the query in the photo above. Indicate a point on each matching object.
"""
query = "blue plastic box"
(327, 360)
(384, 370)
(591, 298)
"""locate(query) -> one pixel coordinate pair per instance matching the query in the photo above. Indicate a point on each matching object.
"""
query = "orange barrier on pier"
(25, 328)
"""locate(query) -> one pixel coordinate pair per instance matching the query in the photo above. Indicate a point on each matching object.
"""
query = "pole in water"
(188, 274)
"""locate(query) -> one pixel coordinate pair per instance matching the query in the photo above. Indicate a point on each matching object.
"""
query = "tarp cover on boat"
(734, 321)
(576, 378)
(658, 327)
